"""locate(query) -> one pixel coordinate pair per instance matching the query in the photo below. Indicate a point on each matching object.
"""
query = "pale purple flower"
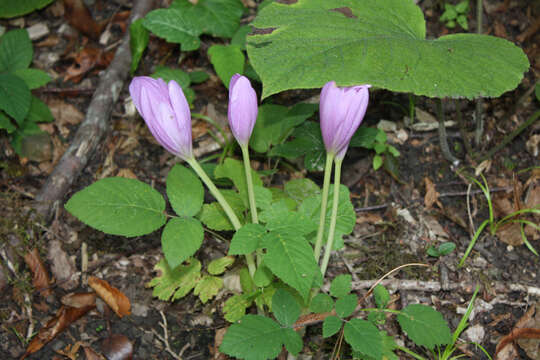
(341, 111)
(165, 110)
(242, 108)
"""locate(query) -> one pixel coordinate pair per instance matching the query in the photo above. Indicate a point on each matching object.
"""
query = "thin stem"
(333, 218)
(249, 181)
(224, 204)
(324, 204)
(443, 140)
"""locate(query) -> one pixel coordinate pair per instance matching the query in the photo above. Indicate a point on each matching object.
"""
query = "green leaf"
(462, 7)
(234, 169)
(263, 276)
(292, 341)
(377, 162)
(301, 189)
(185, 191)
(240, 36)
(219, 265)
(34, 78)
(365, 137)
(364, 337)
(331, 325)
(180, 239)
(24, 135)
(462, 21)
(227, 61)
(289, 222)
(213, 216)
(384, 44)
(15, 96)
(446, 248)
(341, 285)
(119, 206)
(173, 284)
(39, 111)
(291, 259)
(345, 305)
(255, 337)
(6, 124)
(174, 26)
(285, 308)
(219, 18)
(388, 344)
(235, 307)
(15, 50)
(182, 78)
(208, 287)
(198, 77)
(321, 303)
(247, 239)
(138, 41)
(263, 197)
(10, 9)
(424, 325)
(381, 295)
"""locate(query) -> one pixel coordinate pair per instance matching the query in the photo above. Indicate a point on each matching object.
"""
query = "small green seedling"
(455, 14)
(441, 250)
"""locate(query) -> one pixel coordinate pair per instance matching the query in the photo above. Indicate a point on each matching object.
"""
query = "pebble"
(37, 31)
(387, 126)
(475, 333)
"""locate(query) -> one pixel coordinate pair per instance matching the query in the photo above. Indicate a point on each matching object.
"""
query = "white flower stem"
(333, 219)
(224, 204)
(324, 203)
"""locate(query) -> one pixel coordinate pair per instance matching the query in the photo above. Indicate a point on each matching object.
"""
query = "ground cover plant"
(248, 233)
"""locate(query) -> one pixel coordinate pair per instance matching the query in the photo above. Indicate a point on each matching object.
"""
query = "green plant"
(456, 14)
(441, 250)
(20, 111)
(10, 9)
(495, 225)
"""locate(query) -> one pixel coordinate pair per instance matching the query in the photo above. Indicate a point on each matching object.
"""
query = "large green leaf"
(285, 307)
(174, 26)
(247, 239)
(34, 78)
(425, 326)
(218, 18)
(180, 239)
(364, 337)
(15, 50)
(15, 97)
(119, 206)
(185, 191)
(11, 8)
(382, 43)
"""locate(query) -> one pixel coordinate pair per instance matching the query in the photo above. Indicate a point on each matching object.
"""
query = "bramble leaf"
(364, 337)
(285, 308)
(321, 303)
(247, 239)
(341, 285)
(208, 287)
(345, 305)
(424, 325)
(331, 325)
(180, 239)
(176, 283)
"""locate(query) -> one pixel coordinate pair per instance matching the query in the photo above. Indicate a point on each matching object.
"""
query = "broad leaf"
(247, 239)
(219, 265)
(174, 26)
(219, 18)
(15, 50)
(331, 325)
(227, 61)
(9, 8)
(235, 307)
(341, 285)
(382, 43)
(301, 189)
(6, 124)
(185, 191)
(15, 96)
(285, 308)
(213, 216)
(425, 326)
(180, 239)
(381, 295)
(234, 169)
(364, 337)
(292, 341)
(345, 305)
(240, 36)
(208, 287)
(321, 303)
(39, 111)
(138, 41)
(119, 206)
(34, 78)
(176, 283)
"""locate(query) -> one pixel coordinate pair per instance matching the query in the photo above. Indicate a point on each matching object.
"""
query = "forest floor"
(398, 217)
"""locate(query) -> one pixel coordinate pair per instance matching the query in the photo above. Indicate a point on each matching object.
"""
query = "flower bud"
(165, 110)
(242, 108)
(341, 111)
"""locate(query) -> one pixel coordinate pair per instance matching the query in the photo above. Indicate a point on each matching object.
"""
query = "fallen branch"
(95, 125)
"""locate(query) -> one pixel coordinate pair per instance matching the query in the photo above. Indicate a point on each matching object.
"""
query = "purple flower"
(165, 110)
(341, 112)
(242, 108)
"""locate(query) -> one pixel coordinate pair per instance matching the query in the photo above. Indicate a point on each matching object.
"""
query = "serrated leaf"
(381, 295)
(289, 222)
(176, 283)
(119, 206)
(34, 78)
(291, 259)
(331, 325)
(9, 9)
(180, 239)
(301, 189)
(219, 265)
(321, 303)
(292, 341)
(345, 305)
(208, 287)
(185, 191)
(39, 112)
(389, 345)
(247, 239)
(263, 276)
(263, 197)
(364, 337)
(213, 216)
(15, 96)
(139, 37)
(255, 337)
(235, 307)
(227, 61)
(341, 285)
(424, 325)
(219, 18)
(174, 26)
(15, 50)
(379, 43)
(285, 308)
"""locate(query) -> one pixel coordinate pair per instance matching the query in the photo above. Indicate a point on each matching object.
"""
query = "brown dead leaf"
(126, 173)
(86, 60)
(40, 277)
(64, 113)
(369, 218)
(70, 351)
(78, 16)
(218, 339)
(531, 319)
(111, 295)
(516, 334)
(91, 354)
(65, 316)
(62, 266)
(117, 347)
(79, 300)
(432, 196)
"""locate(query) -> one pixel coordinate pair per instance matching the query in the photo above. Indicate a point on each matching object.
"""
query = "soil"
(397, 221)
